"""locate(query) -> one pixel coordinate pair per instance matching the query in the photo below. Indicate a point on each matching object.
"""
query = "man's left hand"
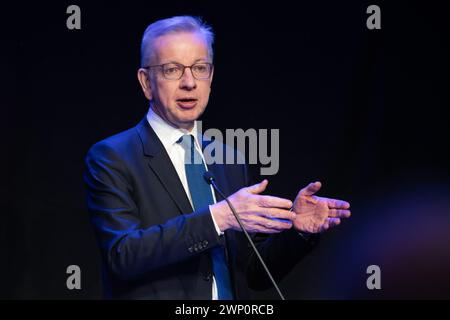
(316, 214)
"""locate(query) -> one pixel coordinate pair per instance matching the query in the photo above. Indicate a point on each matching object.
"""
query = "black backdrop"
(364, 111)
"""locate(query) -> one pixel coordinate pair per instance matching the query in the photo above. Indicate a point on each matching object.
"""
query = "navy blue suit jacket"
(153, 245)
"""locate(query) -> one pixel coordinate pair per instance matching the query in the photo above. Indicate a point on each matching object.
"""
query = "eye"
(171, 70)
(201, 68)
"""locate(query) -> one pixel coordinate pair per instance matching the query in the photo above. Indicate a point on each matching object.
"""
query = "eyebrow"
(198, 60)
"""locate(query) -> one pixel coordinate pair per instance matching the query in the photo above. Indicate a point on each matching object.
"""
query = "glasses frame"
(184, 69)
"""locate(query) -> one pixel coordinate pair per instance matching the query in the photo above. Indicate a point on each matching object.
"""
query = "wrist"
(220, 213)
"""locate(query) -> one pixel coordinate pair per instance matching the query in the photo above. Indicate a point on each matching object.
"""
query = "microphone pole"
(209, 177)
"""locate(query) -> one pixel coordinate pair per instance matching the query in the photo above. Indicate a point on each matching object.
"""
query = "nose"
(187, 81)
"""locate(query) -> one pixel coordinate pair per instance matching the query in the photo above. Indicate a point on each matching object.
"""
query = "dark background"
(364, 111)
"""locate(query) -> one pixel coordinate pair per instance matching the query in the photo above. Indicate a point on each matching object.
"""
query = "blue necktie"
(202, 197)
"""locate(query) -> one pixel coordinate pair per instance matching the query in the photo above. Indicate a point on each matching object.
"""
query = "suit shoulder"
(119, 143)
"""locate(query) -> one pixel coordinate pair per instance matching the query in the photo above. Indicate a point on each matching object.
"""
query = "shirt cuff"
(219, 232)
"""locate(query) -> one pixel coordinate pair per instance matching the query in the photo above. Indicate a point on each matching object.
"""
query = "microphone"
(209, 177)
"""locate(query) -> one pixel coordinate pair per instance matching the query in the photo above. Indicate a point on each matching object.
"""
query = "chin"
(183, 122)
(190, 115)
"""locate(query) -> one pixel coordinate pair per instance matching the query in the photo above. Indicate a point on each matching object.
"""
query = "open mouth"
(187, 103)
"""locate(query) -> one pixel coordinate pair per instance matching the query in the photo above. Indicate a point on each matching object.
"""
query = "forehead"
(183, 47)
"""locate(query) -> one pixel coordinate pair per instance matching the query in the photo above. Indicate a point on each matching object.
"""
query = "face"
(178, 102)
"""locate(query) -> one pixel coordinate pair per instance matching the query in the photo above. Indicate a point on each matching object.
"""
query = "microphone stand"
(208, 176)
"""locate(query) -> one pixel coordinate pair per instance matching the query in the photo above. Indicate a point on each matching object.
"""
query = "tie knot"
(187, 141)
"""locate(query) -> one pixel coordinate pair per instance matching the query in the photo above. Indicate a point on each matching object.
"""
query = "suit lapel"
(159, 161)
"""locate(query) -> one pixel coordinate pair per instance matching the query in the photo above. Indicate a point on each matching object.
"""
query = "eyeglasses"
(174, 71)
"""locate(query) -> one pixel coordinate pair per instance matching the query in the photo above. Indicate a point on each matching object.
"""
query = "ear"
(144, 80)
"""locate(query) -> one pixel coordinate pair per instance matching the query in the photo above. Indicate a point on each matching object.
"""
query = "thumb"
(258, 188)
(311, 188)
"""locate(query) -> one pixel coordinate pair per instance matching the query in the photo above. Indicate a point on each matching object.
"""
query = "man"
(162, 233)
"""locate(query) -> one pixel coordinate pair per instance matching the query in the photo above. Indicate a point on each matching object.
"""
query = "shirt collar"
(168, 134)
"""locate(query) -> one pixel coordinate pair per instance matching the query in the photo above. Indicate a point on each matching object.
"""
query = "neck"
(186, 126)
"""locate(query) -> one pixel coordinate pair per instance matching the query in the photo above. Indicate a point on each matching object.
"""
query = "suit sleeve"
(128, 249)
(281, 252)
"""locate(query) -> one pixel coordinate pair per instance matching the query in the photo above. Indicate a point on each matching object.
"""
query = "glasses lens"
(201, 70)
(172, 71)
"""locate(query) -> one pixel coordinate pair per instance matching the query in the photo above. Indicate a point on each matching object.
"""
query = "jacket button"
(190, 249)
(205, 243)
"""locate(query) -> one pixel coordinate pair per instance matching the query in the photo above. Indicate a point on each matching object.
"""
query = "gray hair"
(173, 25)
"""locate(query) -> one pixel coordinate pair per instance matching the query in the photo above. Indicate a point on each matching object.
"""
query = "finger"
(273, 213)
(256, 228)
(337, 213)
(258, 188)
(261, 224)
(273, 202)
(337, 204)
(325, 226)
(311, 188)
(267, 230)
(275, 224)
(333, 222)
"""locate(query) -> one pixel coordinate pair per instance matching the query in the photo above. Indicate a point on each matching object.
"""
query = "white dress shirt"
(169, 136)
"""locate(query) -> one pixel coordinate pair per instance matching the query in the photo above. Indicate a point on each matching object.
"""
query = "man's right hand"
(257, 212)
